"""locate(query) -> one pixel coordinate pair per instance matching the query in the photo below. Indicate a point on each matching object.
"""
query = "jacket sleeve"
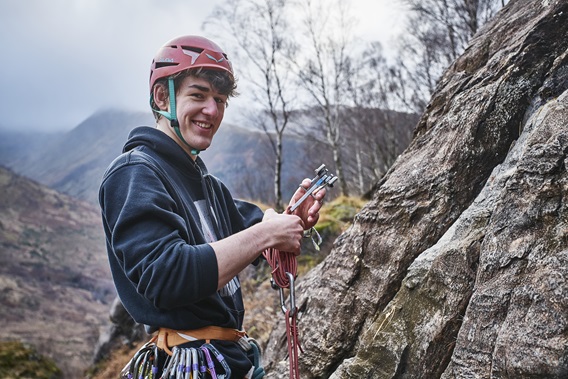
(249, 213)
(151, 243)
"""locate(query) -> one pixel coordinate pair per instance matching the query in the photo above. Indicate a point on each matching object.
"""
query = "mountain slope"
(55, 285)
(74, 162)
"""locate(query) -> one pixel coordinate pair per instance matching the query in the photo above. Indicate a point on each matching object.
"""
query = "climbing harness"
(189, 362)
(284, 271)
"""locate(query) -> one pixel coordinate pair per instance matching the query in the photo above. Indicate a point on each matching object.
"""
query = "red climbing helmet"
(186, 52)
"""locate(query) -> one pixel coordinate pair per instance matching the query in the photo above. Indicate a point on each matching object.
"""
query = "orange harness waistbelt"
(167, 338)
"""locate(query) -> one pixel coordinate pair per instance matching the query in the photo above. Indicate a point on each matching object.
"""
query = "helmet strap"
(171, 115)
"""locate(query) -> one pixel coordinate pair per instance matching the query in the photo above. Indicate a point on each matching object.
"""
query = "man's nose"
(210, 107)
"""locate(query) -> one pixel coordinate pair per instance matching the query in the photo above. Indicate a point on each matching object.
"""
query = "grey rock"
(458, 266)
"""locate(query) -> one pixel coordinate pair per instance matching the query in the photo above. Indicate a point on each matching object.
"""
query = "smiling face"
(200, 109)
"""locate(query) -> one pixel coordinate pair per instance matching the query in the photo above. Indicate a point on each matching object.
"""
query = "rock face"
(458, 266)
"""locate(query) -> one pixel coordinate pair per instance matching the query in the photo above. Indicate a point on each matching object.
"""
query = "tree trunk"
(278, 174)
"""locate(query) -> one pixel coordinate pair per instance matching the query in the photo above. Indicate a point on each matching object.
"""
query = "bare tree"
(440, 32)
(457, 21)
(378, 132)
(323, 71)
(260, 29)
(380, 90)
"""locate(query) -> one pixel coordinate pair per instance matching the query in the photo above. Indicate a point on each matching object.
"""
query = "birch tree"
(438, 32)
(379, 132)
(323, 67)
(260, 30)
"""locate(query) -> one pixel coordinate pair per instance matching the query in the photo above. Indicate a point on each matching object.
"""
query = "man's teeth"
(203, 125)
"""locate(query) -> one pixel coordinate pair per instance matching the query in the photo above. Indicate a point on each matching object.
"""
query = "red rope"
(284, 264)
(281, 263)
(293, 343)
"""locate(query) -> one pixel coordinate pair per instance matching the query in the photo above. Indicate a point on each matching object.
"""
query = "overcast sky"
(62, 60)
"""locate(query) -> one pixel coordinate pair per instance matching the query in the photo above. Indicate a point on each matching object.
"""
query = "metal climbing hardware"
(322, 179)
(143, 364)
(284, 270)
(184, 363)
(292, 297)
(313, 234)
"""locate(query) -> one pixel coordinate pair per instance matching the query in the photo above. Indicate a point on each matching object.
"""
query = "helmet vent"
(191, 48)
(165, 64)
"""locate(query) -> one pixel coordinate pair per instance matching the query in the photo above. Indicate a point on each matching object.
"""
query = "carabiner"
(180, 369)
(194, 363)
(171, 364)
(220, 359)
(292, 296)
(210, 363)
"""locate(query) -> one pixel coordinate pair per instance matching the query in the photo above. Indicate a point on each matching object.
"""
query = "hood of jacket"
(151, 139)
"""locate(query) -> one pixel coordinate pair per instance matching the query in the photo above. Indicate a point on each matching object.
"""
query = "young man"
(176, 238)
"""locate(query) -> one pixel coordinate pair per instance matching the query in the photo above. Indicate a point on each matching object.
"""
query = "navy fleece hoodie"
(164, 269)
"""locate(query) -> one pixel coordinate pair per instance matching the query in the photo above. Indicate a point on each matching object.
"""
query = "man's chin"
(201, 146)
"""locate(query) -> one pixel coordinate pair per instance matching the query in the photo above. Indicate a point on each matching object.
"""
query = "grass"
(338, 214)
(20, 361)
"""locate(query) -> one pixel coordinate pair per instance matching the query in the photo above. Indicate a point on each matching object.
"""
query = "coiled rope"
(284, 271)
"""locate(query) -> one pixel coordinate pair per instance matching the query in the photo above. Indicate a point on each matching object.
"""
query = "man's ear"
(161, 96)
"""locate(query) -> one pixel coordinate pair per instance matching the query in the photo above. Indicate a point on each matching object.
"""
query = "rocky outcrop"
(458, 266)
(122, 331)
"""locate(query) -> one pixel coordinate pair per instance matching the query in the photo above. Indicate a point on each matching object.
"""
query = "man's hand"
(286, 231)
(308, 211)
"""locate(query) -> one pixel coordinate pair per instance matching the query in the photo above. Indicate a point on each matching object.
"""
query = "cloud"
(64, 59)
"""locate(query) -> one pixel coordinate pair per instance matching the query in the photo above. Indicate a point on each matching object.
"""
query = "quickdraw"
(184, 363)
(284, 271)
(143, 364)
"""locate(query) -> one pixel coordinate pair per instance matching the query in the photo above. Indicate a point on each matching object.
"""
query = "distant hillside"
(15, 145)
(74, 162)
(243, 159)
(55, 285)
